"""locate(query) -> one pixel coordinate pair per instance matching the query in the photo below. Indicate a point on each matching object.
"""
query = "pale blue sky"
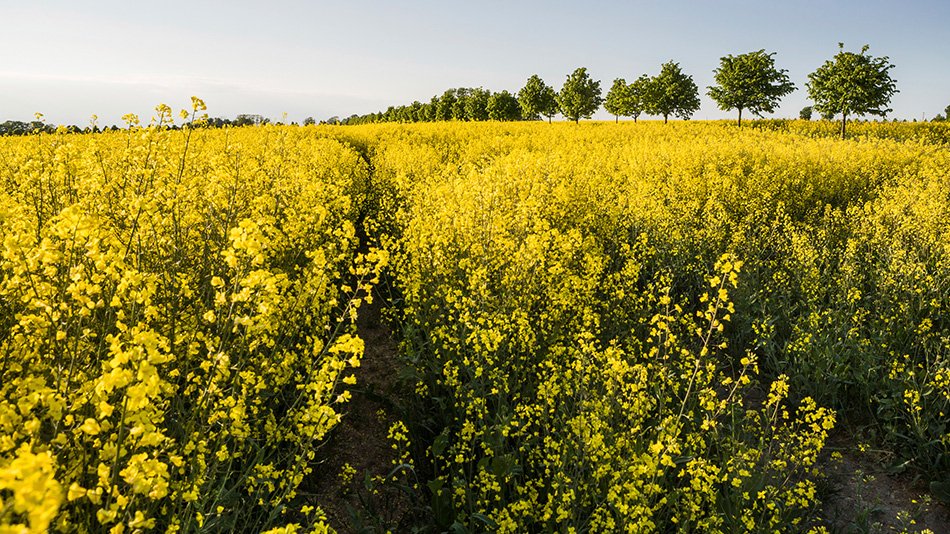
(70, 59)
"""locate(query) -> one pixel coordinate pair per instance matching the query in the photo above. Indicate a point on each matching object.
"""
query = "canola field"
(603, 328)
(175, 311)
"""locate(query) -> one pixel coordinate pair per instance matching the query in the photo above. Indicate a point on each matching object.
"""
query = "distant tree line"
(846, 86)
(24, 128)
(38, 126)
(944, 117)
(462, 104)
(849, 85)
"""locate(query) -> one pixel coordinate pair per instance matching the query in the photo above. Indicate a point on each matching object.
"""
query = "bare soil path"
(359, 446)
(865, 498)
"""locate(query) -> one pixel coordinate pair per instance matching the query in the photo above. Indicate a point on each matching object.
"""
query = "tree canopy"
(615, 103)
(579, 97)
(636, 96)
(250, 119)
(476, 104)
(749, 81)
(503, 106)
(537, 99)
(626, 100)
(849, 84)
(852, 84)
(671, 93)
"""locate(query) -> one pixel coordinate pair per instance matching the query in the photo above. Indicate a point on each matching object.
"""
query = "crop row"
(655, 327)
(603, 327)
(175, 325)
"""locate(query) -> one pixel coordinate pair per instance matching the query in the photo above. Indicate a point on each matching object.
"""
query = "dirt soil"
(865, 498)
(359, 444)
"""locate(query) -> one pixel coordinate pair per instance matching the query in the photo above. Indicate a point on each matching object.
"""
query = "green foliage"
(24, 128)
(476, 104)
(250, 119)
(584, 362)
(749, 81)
(616, 98)
(672, 93)
(191, 362)
(626, 99)
(537, 99)
(444, 105)
(503, 106)
(459, 111)
(852, 84)
(637, 92)
(805, 113)
(579, 97)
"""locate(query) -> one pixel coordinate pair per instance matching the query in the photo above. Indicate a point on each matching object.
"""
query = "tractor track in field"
(358, 446)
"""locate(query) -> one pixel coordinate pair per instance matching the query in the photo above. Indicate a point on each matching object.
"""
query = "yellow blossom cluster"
(647, 327)
(176, 311)
(607, 327)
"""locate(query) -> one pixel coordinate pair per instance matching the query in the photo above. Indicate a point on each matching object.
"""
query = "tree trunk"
(665, 116)
(740, 117)
(844, 119)
(549, 119)
(616, 119)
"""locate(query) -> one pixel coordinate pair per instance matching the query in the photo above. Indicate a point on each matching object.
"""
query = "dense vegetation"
(634, 327)
(654, 327)
(175, 324)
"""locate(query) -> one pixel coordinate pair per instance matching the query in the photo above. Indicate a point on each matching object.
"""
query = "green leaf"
(941, 490)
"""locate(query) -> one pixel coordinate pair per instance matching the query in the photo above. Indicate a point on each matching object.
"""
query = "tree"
(458, 107)
(946, 111)
(476, 104)
(805, 113)
(216, 122)
(636, 95)
(616, 101)
(852, 84)
(444, 105)
(626, 100)
(412, 111)
(671, 93)
(579, 97)
(425, 112)
(503, 106)
(249, 119)
(309, 121)
(749, 81)
(537, 99)
(15, 128)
